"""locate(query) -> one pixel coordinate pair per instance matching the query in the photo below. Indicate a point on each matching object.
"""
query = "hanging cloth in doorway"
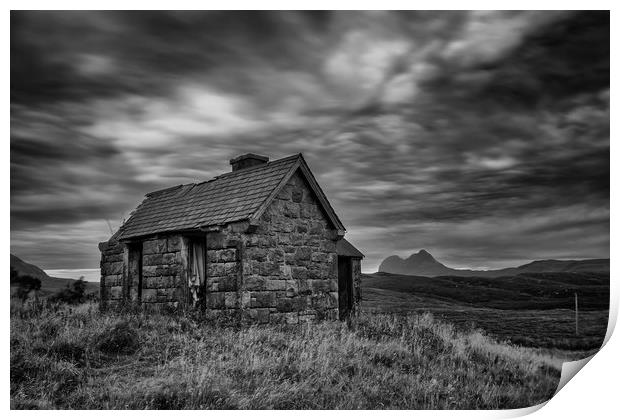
(196, 278)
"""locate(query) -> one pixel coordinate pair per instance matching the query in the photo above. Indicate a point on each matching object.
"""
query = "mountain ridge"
(423, 263)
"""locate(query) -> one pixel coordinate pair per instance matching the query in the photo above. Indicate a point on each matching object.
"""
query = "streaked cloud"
(480, 136)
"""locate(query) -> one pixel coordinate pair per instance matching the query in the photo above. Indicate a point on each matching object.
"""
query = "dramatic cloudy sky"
(482, 137)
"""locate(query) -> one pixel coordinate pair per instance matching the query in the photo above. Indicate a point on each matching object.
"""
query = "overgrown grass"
(76, 357)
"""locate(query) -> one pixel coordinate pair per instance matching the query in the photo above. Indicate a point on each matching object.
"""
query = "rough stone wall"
(224, 263)
(356, 268)
(111, 283)
(163, 273)
(286, 271)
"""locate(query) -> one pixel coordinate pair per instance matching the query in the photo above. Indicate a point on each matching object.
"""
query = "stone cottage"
(261, 241)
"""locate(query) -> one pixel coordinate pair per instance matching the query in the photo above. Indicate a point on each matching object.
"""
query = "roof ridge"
(225, 174)
(262, 165)
(163, 190)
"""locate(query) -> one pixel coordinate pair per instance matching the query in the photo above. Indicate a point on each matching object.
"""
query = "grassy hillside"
(26, 269)
(526, 309)
(49, 285)
(523, 291)
(65, 357)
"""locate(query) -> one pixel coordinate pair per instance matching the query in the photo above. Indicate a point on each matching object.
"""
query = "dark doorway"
(345, 287)
(134, 272)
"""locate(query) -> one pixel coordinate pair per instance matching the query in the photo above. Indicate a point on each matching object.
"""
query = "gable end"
(314, 187)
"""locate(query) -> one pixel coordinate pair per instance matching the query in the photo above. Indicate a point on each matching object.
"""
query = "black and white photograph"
(306, 210)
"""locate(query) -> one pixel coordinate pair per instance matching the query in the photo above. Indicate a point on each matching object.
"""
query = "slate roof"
(230, 197)
(344, 248)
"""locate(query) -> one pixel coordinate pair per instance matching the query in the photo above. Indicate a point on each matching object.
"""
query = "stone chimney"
(247, 160)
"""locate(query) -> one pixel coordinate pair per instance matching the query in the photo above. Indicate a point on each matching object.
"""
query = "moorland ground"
(77, 357)
(420, 343)
(532, 310)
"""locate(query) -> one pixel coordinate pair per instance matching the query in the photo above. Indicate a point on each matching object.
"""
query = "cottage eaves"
(345, 248)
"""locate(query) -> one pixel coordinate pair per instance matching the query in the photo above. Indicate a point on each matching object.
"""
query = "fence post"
(576, 314)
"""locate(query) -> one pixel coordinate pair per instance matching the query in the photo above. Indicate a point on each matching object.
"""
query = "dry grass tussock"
(77, 357)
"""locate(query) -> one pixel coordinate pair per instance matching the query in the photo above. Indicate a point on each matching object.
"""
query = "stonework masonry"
(112, 268)
(356, 264)
(283, 269)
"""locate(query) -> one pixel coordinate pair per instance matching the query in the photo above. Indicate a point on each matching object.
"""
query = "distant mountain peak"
(423, 253)
(423, 263)
(422, 256)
